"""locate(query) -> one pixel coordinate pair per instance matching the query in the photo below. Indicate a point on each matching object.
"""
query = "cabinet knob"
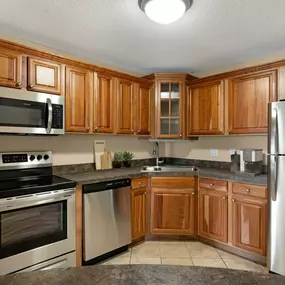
(224, 198)
(96, 129)
(133, 131)
(211, 185)
(193, 193)
(144, 193)
(233, 200)
(247, 190)
(88, 128)
(18, 84)
(140, 184)
(180, 135)
(31, 86)
(139, 131)
(229, 131)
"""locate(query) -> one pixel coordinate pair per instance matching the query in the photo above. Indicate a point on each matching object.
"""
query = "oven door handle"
(49, 120)
(34, 200)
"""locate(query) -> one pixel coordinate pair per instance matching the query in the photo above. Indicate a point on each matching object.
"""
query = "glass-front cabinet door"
(170, 111)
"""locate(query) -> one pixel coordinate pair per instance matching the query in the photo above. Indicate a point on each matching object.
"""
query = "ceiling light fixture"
(164, 11)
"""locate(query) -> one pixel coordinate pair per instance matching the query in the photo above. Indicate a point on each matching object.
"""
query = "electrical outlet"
(232, 151)
(214, 152)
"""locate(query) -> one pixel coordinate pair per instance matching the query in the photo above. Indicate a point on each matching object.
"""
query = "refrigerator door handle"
(273, 176)
(274, 132)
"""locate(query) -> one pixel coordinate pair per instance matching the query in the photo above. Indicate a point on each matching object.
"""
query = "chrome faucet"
(158, 161)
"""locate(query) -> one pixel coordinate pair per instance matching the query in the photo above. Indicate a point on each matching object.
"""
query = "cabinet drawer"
(173, 182)
(139, 182)
(218, 185)
(250, 190)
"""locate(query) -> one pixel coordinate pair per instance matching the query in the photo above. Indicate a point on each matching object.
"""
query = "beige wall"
(201, 149)
(73, 149)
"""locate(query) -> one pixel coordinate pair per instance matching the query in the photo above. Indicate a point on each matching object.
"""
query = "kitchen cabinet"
(104, 93)
(45, 76)
(144, 109)
(249, 220)
(248, 98)
(78, 89)
(205, 109)
(11, 69)
(213, 215)
(139, 207)
(173, 205)
(125, 103)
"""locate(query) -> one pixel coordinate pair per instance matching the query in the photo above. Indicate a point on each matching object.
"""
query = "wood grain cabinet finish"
(11, 69)
(213, 215)
(173, 206)
(45, 76)
(205, 109)
(138, 212)
(144, 106)
(249, 224)
(125, 107)
(78, 88)
(103, 103)
(248, 99)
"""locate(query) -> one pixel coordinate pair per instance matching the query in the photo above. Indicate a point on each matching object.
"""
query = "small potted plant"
(127, 159)
(118, 160)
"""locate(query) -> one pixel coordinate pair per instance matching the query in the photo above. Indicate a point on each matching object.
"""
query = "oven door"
(31, 112)
(36, 228)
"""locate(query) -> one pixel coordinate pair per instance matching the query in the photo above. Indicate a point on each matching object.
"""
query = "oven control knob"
(46, 157)
(32, 158)
(39, 157)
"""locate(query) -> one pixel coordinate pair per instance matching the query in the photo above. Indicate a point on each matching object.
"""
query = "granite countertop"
(106, 175)
(141, 275)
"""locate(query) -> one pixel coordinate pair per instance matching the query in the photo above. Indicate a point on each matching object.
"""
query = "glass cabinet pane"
(164, 126)
(164, 108)
(174, 126)
(175, 90)
(175, 108)
(164, 90)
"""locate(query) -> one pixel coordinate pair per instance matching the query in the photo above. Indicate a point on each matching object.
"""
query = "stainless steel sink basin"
(169, 169)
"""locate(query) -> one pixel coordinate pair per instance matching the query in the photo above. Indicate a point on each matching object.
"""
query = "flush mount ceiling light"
(164, 11)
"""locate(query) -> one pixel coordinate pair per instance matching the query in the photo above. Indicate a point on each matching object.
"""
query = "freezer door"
(276, 128)
(276, 229)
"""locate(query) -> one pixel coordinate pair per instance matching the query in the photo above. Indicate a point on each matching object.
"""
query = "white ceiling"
(212, 34)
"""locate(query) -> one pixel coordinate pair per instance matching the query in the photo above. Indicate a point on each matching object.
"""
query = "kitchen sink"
(169, 169)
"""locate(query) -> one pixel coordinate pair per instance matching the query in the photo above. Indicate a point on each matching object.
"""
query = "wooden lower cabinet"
(213, 215)
(249, 224)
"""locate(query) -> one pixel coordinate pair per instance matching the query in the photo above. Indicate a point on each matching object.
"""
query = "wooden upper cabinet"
(104, 93)
(78, 89)
(144, 106)
(45, 76)
(249, 224)
(213, 215)
(125, 107)
(205, 109)
(248, 102)
(11, 68)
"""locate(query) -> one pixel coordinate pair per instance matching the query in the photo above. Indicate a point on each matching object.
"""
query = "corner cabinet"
(248, 98)
(205, 109)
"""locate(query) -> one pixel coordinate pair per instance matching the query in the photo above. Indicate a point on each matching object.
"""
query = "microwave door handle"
(49, 121)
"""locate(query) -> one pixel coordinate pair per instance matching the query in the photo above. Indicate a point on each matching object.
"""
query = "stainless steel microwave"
(26, 112)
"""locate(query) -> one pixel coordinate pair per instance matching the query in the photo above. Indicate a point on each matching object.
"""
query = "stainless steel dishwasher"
(106, 218)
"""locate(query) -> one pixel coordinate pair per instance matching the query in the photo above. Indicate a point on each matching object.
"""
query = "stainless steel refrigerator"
(276, 187)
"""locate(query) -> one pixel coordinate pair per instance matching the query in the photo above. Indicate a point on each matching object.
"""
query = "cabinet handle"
(31, 86)
(211, 185)
(193, 193)
(247, 190)
(233, 200)
(18, 84)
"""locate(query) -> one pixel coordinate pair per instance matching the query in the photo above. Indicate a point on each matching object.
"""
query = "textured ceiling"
(213, 33)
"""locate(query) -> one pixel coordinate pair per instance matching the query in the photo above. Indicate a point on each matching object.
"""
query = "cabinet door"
(144, 110)
(138, 206)
(205, 112)
(248, 102)
(78, 86)
(125, 107)
(172, 211)
(11, 69)
(103, 104)
(45, 76)
(169, 109)
(213, 215)
(249, 224)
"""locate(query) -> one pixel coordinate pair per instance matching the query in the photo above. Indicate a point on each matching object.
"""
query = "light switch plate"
(214, 152)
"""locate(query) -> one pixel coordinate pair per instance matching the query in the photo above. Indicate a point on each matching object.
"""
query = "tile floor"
(183, 253)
